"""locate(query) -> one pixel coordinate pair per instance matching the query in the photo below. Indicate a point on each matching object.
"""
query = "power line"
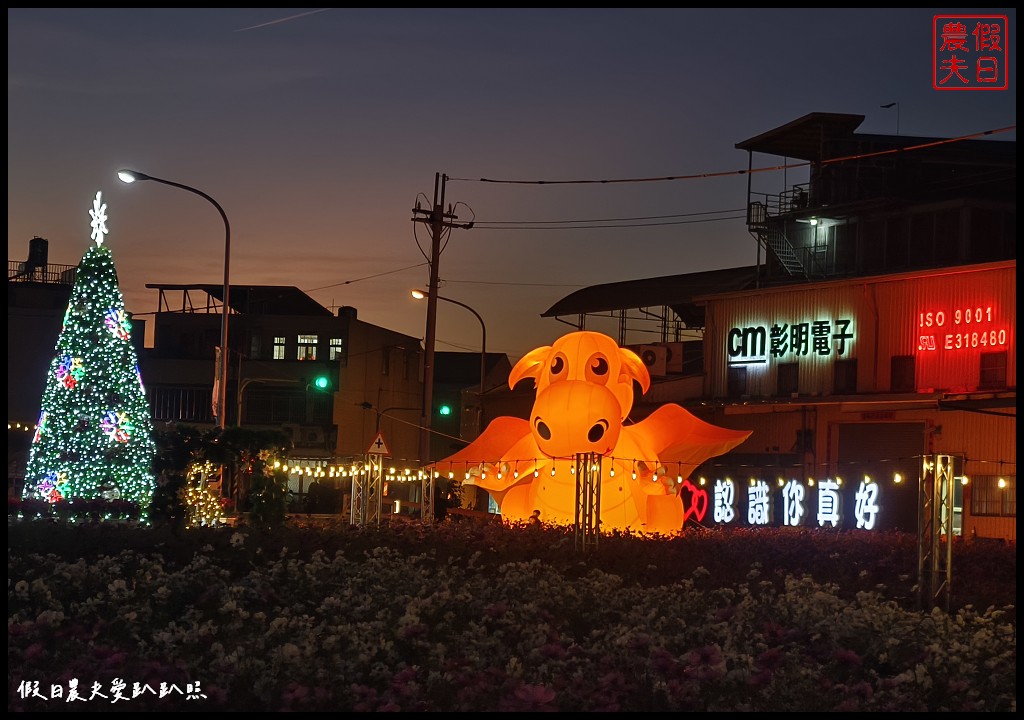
(368, 277)
(591, 220)
(486, 226)
(524, 284)
(550, 225)
(726, 173)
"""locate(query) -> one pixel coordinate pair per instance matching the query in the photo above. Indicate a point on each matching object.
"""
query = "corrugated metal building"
(874, 338)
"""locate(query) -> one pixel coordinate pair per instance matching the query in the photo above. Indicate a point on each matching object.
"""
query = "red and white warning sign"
(378, 446)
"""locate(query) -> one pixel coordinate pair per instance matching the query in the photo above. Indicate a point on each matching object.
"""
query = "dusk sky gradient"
(318, 130)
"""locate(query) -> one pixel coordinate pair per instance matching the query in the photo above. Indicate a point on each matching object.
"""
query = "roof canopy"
(256, 299)
(673, 291)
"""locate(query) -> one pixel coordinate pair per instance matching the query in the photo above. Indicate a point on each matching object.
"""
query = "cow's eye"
(597, 369)
(557, 364)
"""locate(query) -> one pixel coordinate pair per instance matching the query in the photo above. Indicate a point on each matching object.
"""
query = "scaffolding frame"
(367, 492)
(935, 526)
(587, 521)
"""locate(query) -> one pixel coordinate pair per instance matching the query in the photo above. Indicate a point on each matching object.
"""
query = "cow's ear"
(529, 365)
(634, 369)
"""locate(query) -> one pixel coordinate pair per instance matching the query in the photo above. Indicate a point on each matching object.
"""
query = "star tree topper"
(99, 219)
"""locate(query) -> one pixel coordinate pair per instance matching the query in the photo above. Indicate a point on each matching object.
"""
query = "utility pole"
(439, 222)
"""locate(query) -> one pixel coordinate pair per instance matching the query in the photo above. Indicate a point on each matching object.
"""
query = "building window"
(736, 382)
(336, 349)
(897, 244)
(804, 441)
(307, 347)
(993, 370)
(788, 379)
(902, 371)
(177, 404)
(255, 347)
(994, 495)
(844, 377)
(279, 348)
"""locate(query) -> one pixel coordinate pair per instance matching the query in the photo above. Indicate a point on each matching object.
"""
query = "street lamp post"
(382, 413)
(130, 176)
(419, 295)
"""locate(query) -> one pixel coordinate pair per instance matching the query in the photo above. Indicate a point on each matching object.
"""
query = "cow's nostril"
(597, 431)
(543, 430)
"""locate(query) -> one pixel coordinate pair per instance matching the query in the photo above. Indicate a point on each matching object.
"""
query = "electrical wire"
(483, 225)
(771, 168)
(367, 277)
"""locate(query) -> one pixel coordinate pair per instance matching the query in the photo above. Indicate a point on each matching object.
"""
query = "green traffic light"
(444, 410)
(321, 383)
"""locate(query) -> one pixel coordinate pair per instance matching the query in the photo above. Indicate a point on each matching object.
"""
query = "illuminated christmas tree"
(94, 437)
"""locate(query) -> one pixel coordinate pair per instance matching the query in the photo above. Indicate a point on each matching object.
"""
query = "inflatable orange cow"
(584, 387)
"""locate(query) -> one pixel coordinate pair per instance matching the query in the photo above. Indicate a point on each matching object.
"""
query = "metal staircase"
(773, 238)
(776, 240)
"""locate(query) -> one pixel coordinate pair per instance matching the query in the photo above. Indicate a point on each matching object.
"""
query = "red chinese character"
(954, 37)
(954, 65)
(988, 69)
(987, 37)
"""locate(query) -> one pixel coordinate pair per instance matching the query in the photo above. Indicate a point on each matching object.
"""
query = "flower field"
(465, 616)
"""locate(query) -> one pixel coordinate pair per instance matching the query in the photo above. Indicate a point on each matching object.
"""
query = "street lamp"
(130, 176)
(243, 384)
(419, 295)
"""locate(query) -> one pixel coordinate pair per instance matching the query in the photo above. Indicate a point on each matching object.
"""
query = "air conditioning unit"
(655, 357)
(292, 431)
(309, 436)
(674, 362)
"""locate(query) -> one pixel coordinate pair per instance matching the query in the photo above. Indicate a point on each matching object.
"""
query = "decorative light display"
(585, 391)
(202, 505)
(792, 502)
(94, 436)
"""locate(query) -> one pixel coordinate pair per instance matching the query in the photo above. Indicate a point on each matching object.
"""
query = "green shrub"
(268, 498)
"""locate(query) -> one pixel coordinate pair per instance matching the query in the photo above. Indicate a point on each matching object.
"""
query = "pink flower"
(535, 697)
(848, 657)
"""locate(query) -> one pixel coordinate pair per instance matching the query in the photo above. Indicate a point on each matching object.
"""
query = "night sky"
(318, 130)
